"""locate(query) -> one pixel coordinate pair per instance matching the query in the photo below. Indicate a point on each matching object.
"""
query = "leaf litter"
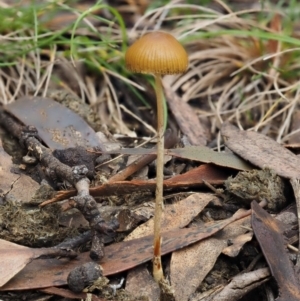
(235, 84)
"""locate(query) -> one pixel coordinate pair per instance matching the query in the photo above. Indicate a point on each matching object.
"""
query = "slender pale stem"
(159, 205)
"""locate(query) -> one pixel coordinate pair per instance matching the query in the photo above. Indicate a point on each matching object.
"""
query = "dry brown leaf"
(12, 262)
(41, 273)
(140, 283)
(195, 262)
(185, 116)
(7, 177)
(15, 187)
(261, 151)
(58, 126)
(268, 233)
(177, 215)
(23, 189)
(195, 153)
(295, 138)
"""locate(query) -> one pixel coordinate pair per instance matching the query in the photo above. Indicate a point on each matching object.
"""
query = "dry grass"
(243, 65)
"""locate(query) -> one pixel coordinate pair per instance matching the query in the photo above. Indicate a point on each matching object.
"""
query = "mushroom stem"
(159, 205)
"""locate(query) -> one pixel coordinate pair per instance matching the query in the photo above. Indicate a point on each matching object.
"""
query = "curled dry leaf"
(261, 151)
(269, 235)
(237, 243)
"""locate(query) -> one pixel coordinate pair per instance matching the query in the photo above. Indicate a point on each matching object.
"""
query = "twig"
(84, 202)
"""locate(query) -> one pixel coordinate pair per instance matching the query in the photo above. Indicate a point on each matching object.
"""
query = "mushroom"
(157, 53)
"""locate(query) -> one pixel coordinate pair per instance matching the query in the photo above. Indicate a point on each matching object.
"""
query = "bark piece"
(261, 151)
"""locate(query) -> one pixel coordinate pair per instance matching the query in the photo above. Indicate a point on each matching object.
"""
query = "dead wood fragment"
(87, 205)
(239, 286)
(261, 151)
(269, 235)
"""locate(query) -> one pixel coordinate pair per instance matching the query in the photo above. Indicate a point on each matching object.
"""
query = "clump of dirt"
(257, 185)
(32, 227)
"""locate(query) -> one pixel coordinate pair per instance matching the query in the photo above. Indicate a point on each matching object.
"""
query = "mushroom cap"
(156, 53)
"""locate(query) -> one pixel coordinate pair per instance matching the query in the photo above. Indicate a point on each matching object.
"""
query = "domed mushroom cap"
(157, 53)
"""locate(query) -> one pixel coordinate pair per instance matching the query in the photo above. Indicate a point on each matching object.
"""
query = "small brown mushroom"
(157, 53)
